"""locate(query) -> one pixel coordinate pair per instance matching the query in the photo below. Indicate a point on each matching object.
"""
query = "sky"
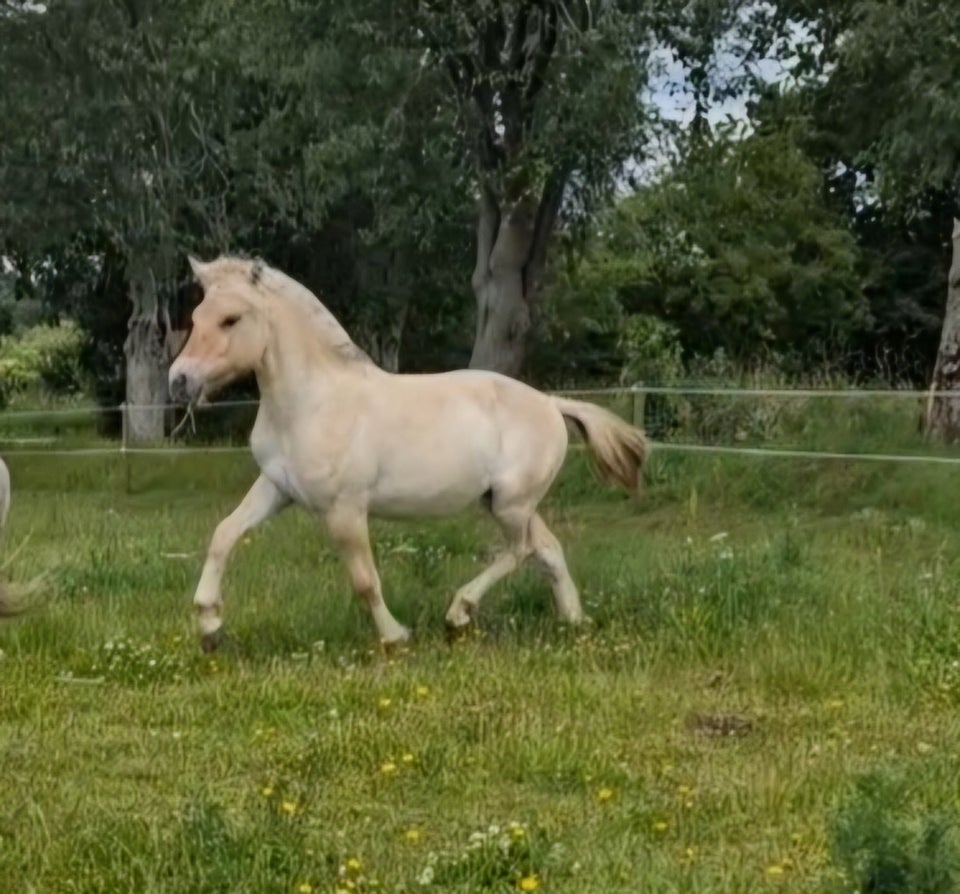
(669, 87)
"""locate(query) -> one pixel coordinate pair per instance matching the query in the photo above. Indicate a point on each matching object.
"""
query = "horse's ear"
(200, 270)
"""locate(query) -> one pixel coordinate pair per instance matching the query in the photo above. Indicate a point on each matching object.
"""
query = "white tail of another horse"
(618, 449)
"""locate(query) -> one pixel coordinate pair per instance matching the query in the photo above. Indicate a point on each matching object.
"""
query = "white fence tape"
(696, 390)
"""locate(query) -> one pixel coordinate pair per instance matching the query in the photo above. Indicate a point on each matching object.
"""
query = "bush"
(44, 357)
(650, 350)
(880, 845)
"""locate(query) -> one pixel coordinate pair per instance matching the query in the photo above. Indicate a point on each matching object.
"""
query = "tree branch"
(488, 225)
(518, 38)
(544, 222)
(546, 44)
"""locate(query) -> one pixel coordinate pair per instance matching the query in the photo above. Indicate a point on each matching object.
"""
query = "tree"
(124, 146)
(549, 110)
(736, 247)
(348, 146)
(901, 58)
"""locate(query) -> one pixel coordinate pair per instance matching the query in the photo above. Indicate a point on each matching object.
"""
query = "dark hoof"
(210, 642)
(457, 633)
(398, 646)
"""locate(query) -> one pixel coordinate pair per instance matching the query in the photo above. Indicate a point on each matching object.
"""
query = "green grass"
(814, 604)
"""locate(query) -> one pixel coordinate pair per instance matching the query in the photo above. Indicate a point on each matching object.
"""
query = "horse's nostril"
(178, 388)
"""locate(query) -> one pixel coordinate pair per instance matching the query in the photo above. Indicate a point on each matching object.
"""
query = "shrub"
(46, 357)
(880, 845)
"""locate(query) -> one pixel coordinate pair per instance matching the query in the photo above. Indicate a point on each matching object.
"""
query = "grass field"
(766, 701)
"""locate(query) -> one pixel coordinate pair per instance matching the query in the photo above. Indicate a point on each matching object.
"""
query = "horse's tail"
(618, 449)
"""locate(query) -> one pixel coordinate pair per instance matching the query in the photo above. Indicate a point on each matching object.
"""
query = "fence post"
(124, 425)
(639, 401)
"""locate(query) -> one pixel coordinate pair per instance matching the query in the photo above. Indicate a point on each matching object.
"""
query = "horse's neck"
(291, 298)
(305, 354)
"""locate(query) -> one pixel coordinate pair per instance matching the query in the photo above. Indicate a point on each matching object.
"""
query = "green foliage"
(880, 845)
(737, 249)
(902, 57)
(348, 143)
(650, 349)
(45, 357)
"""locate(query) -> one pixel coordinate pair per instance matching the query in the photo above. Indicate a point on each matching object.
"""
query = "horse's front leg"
(261, 501)
(348, 529)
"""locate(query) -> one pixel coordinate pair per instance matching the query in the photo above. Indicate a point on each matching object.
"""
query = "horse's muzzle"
(183, 388)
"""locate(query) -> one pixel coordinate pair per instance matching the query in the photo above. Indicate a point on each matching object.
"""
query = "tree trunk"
(147, 365)
(511, 255)
(943, 413)
(385, 283)
(503, 305)
(384, 341)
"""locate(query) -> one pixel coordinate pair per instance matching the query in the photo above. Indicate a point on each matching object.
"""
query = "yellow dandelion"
(408, 759)
(529, 883)
(384, 703)
(660, 826)
(266, 791)
(412, 836)
(290, 807)
(775, 871)
(605, 794)
(304, 888)
(684, 790)
(422, 691)
(388, 768)
(354, 865)
(518, 833)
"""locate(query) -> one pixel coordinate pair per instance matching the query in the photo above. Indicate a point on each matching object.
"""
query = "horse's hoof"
(581, 622)
(210, 642)
(458, 632)
(397, 644)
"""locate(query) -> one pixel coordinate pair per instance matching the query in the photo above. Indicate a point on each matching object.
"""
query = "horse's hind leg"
(349, 531)
(515, 526)
(549, 555)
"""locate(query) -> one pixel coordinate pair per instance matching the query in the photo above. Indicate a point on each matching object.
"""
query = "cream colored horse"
(346, 440)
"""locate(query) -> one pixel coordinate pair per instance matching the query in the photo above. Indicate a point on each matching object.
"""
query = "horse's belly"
(428, 486)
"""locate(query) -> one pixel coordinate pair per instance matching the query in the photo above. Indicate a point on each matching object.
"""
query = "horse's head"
(230, 330)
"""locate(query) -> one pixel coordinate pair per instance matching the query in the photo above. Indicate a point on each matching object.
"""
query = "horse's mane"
(268, 279)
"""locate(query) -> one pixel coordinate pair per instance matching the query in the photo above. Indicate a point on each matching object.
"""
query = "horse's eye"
(229, 322)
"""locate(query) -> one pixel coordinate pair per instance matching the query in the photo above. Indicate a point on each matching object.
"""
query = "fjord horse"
(347, 440)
